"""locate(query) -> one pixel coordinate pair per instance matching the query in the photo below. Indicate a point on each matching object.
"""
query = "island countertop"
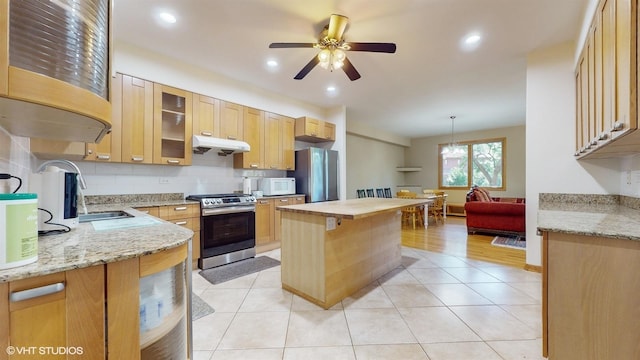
(86, 246)
(354, 208)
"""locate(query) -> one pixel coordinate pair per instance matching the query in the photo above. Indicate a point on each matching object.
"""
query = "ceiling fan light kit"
(332, 49)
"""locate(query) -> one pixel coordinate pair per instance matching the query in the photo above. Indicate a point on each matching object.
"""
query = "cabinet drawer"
(186, 222)
(179, 211)
(151, 210)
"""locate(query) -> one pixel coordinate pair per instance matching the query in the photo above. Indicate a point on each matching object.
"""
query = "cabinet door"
(137, 120)
(206, 116)
(109, 149)
(4, 48)
(172, 125)
(288, 143)
(264, 221)
(254, 135)
(273, 141)
(231, 121)
(329, 131)
(306, 126)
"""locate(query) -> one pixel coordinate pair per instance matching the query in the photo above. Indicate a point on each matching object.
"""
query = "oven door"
(226, 230)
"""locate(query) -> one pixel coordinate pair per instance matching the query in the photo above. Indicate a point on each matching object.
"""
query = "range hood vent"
(224, 147)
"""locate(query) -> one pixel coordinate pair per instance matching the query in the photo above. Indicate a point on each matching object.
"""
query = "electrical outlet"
(164, 180)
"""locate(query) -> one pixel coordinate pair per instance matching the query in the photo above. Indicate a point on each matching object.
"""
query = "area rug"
(237, 269)
(199, 307)
(514, 242)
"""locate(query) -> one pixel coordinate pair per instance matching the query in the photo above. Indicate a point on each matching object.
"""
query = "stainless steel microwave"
(277, 186)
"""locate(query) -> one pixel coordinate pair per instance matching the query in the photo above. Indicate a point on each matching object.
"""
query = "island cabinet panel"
(68, 317)
(590, 297)
(123, 291)
(325, 266)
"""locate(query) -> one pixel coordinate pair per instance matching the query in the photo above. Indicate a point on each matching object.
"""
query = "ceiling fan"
(332, 49)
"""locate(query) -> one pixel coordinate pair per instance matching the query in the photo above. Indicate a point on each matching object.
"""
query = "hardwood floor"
(452, 239)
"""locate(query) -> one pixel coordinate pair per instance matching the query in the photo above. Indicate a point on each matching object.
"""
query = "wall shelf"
(408, 168)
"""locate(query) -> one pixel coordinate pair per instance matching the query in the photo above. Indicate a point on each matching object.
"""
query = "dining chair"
(436, 209)
(380, 193)
(370, 193)
(387, 193)
(360, 193)
(411, 214)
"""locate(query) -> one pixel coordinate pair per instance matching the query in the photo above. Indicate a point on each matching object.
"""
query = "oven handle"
(228, 210)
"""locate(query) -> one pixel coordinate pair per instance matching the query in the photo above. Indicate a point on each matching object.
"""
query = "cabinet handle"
(206, 133)
(231, 137)
(264, 202)
(36, 292)
(274, 166)
(89, 151)
(253, 165)
(173, 161)
(137, 158)
(144, 212)
(617, 126)
(104, 157)
(180, 208)
(284, 200)
(181, 223)
(313, 134)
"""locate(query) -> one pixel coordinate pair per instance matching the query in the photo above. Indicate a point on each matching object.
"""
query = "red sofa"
(501, 216)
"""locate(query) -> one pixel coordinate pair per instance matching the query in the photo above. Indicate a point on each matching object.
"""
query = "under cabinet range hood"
(224, 147)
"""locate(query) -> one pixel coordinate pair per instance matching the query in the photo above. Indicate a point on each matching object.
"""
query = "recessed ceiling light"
(272, 63)
(167, 17)
(331, 89)
(472, 39)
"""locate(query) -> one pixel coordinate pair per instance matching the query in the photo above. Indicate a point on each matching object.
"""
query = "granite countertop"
(610, 216)
(86, 246)
(354, 208)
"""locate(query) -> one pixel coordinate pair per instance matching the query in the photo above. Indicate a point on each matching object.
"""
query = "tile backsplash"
(15, 159)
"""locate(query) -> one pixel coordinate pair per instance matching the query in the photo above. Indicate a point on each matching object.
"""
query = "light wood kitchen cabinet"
(172, 125)
(273, 141)
(313, 130)
(264, 222)
(268, 220)
(253, 130)
(187, 215)
(231, 121)
(109, 149)
(206, 116)
(606, 83)
(33, 75)
(137, 120)
(288, 143)
(69, 314)
(590, 308)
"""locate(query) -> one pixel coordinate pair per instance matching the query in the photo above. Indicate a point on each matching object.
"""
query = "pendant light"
(452, 149)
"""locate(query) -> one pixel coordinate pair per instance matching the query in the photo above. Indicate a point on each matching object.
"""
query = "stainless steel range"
(227, 228)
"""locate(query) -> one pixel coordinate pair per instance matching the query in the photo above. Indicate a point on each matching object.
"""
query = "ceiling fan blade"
(337, 24)
(350, 70)
(290, 45)
(373, 47)
(307, 68)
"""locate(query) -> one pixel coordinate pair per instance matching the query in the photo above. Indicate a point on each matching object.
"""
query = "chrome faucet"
(83, 184)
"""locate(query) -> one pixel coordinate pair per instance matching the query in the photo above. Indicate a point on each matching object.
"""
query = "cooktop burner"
(218, 200)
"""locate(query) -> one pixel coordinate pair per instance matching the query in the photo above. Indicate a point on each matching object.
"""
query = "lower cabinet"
(54, 316)
(268, 233)
(187, 215)
(589, 297)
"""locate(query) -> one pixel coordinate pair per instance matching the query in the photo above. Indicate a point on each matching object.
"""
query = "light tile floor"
(434, 306)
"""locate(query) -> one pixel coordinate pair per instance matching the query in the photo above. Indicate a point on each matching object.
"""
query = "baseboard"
(534, 268)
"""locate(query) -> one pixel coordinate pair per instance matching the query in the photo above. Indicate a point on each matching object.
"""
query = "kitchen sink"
(107, 215)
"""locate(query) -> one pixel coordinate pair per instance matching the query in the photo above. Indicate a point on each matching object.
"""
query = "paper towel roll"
(246, 186)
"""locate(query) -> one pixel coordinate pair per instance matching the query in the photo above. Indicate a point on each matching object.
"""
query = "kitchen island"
(330, 250)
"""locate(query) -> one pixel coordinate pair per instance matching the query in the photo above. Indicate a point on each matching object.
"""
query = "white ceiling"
(410, 93)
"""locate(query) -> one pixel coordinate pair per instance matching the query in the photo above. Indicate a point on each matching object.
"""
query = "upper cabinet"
(109, 149)
(253, 129)
(137, 120)
(606, 84)
(58, 90)
(273, 141)
(287, 126)
(172, 125)
(231, 121)
(206, 116)
(314, 130)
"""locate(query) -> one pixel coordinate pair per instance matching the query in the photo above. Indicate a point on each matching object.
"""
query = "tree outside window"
(486, 168)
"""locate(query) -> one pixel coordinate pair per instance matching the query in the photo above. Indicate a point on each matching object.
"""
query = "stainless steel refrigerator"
(316, 174)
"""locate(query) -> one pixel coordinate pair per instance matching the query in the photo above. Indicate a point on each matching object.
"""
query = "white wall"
(14, 160)
(550, 137)
(209, 173)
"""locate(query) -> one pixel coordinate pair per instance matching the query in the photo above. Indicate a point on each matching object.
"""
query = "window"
(486, 169)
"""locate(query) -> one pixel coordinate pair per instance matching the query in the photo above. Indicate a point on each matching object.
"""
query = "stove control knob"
(206, 202)
(218, 201)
